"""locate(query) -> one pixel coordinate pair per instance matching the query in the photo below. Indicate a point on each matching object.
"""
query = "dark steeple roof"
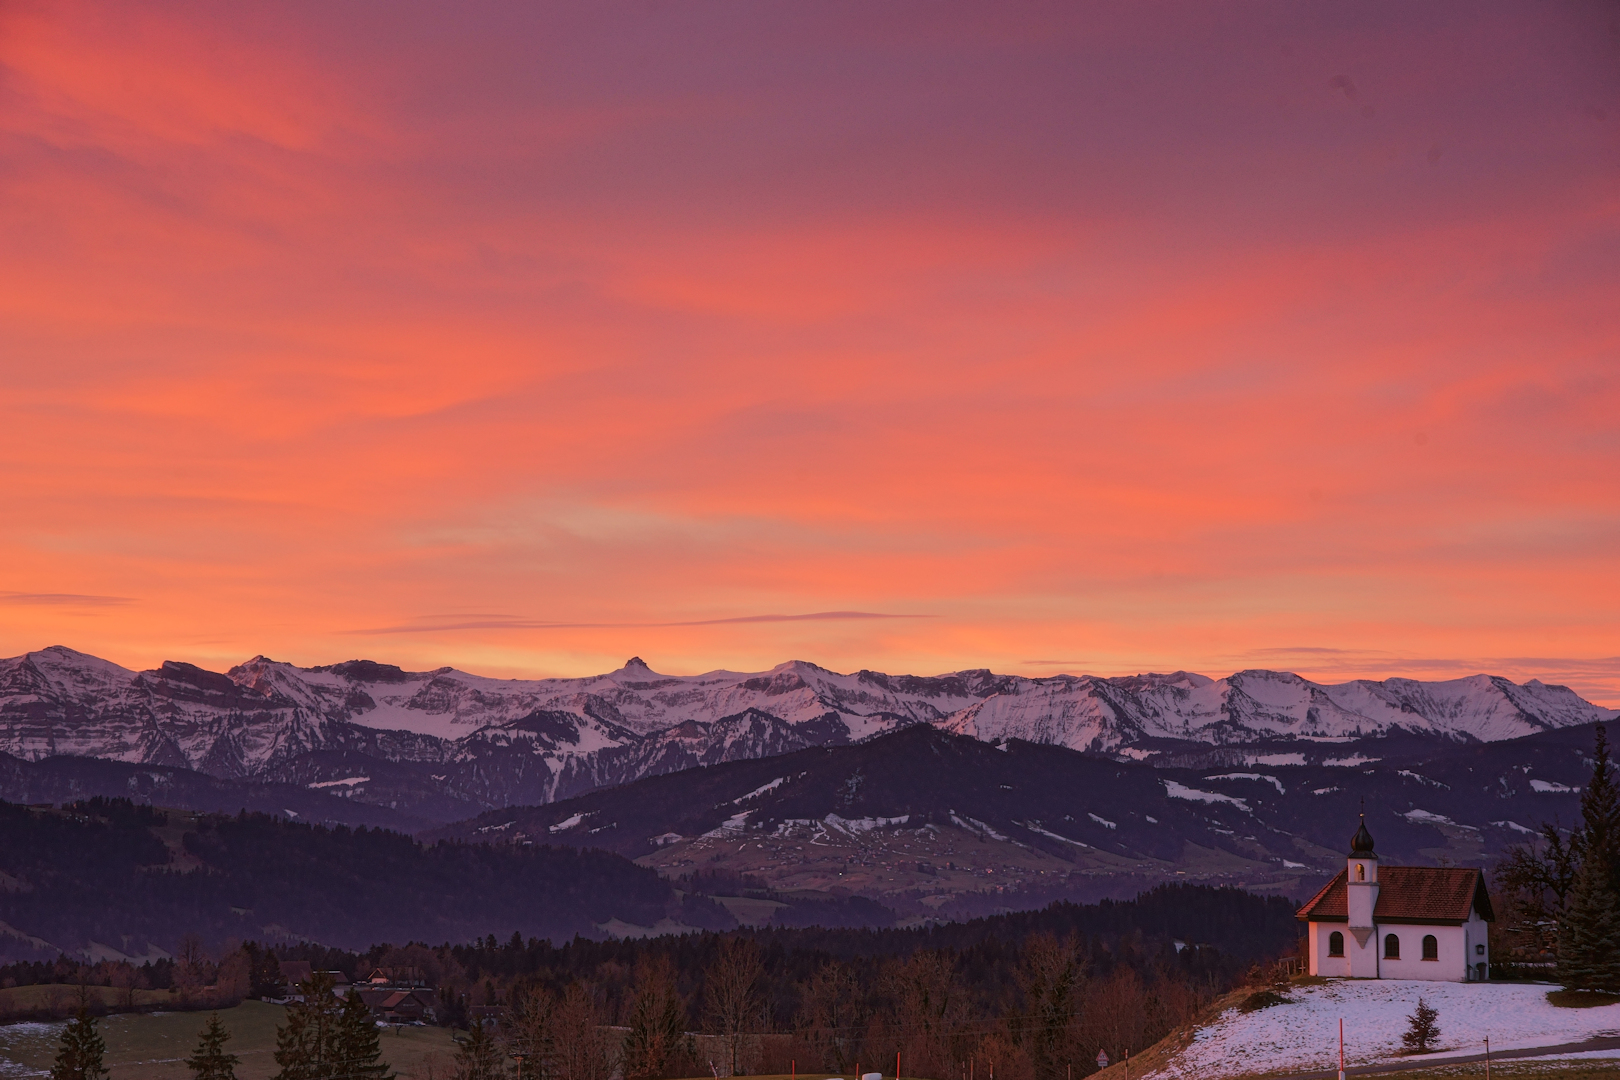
(1361, 844)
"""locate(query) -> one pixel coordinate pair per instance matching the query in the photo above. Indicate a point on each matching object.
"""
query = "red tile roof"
(296, 971)
(1415, 894)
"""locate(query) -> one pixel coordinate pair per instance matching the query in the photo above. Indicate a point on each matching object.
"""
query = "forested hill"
(129, 878)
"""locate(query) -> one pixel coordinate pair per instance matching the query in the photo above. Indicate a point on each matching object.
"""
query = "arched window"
(1392, 947)
(1361, 872)
(1431, 947)
(1335, 944)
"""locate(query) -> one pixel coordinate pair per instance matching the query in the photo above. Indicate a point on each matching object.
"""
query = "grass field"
(153, 1046)
(62, 999)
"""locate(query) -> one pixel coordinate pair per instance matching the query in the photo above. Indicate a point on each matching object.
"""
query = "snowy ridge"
(492, 742)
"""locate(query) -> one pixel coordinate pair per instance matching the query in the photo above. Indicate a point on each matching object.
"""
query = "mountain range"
(418, 748)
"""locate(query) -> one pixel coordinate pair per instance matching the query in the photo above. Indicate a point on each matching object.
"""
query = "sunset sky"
(915, 337)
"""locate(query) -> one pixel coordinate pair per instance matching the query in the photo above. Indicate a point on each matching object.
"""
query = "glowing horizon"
(1097, 340)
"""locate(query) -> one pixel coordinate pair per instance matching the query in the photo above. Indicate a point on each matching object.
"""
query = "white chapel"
(1406, 922)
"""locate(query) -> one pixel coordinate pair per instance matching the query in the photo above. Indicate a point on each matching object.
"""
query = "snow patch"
(762, 789)
(1182, 791)
(1351, 761)
(1303, 1034)
(1545, 786)
(733, 825)
(1034, 828)
(569, 822)
(1515, 826)
(1420, 779)
(1104, 822)
(348, 781)
(1423, 817)
(864, 824)
(975, 825)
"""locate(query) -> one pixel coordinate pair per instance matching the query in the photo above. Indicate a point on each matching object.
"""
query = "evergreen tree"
(1589, 930)
(1589, 946)
(81, 1052)
(210, 1061)
(1421, 1032)
(1051, 976)
(305, 1043)
(357, 1051)
(479, 1057)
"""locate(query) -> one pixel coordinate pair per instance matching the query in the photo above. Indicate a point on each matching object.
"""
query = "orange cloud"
(1135, 342)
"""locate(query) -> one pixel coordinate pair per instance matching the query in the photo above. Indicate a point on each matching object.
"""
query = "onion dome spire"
(1361, 844)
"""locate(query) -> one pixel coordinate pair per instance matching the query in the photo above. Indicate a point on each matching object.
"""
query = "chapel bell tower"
(1362, 900)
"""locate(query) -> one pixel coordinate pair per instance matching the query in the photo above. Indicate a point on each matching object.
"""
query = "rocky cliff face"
(441, 743)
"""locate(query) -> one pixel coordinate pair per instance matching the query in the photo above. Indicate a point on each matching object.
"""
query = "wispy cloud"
(497, 622)
(63, 599)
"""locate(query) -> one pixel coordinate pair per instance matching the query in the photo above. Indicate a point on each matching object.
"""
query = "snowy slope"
(1304, 1035)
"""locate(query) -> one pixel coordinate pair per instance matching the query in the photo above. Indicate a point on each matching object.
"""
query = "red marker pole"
(1341, 1048)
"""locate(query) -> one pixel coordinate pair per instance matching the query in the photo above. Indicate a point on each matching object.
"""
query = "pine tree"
(305, 1043)
(1421, 1032)
(478, 1057)
(82, 1050)
(1589, 931)
(356, 1049)
(210, 1061)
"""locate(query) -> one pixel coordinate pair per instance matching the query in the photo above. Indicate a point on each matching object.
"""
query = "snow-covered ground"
(1304, 1035)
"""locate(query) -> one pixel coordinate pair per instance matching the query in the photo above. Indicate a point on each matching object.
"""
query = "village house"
(393, 1006)
(295, 973)
(1401, 922)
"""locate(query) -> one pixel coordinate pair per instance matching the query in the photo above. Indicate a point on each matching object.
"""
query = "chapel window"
(1431, 947)
(1392, 947)
(1335, 944)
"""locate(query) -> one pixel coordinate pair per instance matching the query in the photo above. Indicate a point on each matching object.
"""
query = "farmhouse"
(1406, 922)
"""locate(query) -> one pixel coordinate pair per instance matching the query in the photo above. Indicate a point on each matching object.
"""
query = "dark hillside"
(934, 824)
(131, 877)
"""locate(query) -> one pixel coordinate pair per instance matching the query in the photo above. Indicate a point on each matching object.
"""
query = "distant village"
(394, 995)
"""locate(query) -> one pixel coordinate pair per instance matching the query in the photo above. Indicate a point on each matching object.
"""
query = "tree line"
(1563, 889)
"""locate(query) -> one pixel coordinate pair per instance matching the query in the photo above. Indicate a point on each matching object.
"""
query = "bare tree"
(657, 1044)
(581, 1049)
(731, 995)
(190, 968)
(830, 1013)
(930, 1004)
(530, 1038)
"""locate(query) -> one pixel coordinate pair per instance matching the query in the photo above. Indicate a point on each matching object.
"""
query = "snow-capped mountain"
(444, 743)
